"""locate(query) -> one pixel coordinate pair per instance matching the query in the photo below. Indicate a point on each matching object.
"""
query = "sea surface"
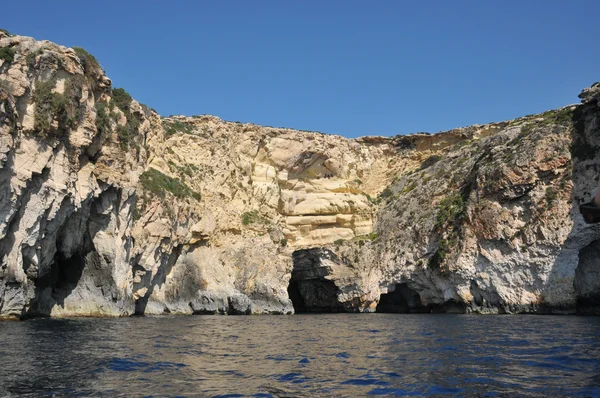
(302, 356)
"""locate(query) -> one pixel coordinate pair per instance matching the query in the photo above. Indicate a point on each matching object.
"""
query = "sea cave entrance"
(401, 299)
(309, 289)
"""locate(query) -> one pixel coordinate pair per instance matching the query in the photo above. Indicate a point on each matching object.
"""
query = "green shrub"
(127, 133)
(551, 195)
(159, 183)
(450, 209)
(461, 144)
(88, 61)
(508, 157)
(439, 256)
(283, 242)
(5, 32)
(122, 99)
(373, 235)
(102, 117)
(30, 59)
(186, 170)
(73, 91)
(7, 54)
(369, 198)
(91, 67)
(450, 213)
(461, 161)
(47, 105)
(253, 217)
(386, 193)
(430, 161)
(445, 247)
(51, 106)
(410, 187)
(248, 218)
(338, 242)
(175, 126)
(562, 117)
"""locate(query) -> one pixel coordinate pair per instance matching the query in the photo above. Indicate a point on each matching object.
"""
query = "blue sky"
(345, 67)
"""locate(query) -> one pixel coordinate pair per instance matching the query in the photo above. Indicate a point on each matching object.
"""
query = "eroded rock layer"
(107, 209)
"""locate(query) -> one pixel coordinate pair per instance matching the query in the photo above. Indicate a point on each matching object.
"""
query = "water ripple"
(302, 356)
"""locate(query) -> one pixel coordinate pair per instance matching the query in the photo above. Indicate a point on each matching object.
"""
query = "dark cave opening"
(406, 300)
(296, 296)
(587, 279)
(56, 282)
(67, 273)
(76, 265)
(402, 300)
(309, 289)
(314, 296)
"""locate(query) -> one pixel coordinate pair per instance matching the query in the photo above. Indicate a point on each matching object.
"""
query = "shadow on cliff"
(159, 279)
(573, 285)
(177, 280)
(76, 266)
(58, 281)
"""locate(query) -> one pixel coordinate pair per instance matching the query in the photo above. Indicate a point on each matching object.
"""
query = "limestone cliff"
(107, 209)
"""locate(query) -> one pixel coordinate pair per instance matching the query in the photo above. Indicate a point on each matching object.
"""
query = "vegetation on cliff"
(158, 184)
(62, 108)
(130, 131)
(7, 54)
(172, 127)
(91, 66)
(450, 213)
(253, 217)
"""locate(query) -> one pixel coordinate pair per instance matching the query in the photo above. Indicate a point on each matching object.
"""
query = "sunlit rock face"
(107, 209)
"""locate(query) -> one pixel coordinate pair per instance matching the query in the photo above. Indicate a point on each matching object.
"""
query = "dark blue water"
(302, 355)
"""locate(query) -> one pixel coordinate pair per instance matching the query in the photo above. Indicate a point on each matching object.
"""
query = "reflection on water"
(302, 355)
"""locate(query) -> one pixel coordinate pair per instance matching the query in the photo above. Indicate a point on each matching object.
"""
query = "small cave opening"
(67, 273)
(76, 267)
(56, 282)
(401, 299)
(587, 279)
(309, 289)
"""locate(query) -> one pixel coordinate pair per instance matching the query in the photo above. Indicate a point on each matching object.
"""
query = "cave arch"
(309, 289)
(401, 299)
(78, 272)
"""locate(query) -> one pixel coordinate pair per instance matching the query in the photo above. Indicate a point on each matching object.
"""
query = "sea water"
(302, 355)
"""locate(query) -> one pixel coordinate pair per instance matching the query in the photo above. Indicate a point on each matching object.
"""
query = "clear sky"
(337, 66)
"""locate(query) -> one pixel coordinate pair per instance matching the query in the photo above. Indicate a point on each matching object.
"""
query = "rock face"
(107, 209)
